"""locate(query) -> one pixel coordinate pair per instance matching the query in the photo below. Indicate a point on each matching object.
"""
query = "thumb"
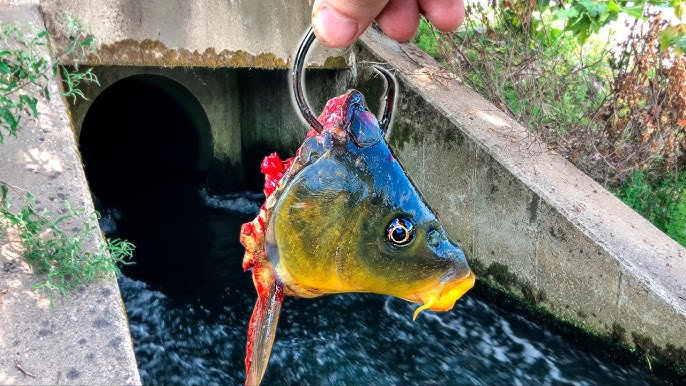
(337, 23)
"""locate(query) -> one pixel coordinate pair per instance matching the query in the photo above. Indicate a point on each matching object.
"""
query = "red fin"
(262, 328)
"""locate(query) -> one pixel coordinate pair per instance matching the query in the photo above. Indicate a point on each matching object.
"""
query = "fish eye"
(400, 231)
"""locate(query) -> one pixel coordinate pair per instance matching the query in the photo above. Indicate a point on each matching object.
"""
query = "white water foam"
(241, 202)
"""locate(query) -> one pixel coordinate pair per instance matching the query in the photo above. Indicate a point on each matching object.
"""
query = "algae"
(150, 52)
(335, 62)
(498, 285)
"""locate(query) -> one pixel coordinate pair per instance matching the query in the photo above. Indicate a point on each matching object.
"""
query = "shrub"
(62, 257)
(618, 113)
(25, 70)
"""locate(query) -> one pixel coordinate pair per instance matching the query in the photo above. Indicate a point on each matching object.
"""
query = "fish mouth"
(443, 296)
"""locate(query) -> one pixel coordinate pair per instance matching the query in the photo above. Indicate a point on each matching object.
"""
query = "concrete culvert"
(145, 144)
(143, 135)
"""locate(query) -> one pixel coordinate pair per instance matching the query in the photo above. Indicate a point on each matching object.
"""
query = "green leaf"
(569, 13)
(10, 120)
(4, 190)
(4, 68)
(59, 220)
(31, 102)
(679, 9)
(593, 8)
(87, 41)
(674, 36)
(635, 11)
(613, 7)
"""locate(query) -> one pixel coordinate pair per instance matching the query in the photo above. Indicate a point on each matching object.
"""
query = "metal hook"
(298, 77)
(388, 100)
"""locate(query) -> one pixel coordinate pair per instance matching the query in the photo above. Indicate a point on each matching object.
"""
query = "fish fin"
(262, 330)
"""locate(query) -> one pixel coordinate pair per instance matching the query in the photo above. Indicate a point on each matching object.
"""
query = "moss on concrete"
(150, 52)
(403, 133)
(421, 114)
(498, 285)
(335, 62)
(155, 53)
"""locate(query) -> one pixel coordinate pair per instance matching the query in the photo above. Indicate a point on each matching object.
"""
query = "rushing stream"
(190, 303)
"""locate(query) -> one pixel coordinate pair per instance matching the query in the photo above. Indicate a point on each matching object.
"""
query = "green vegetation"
(617, 111)
(426, 38)
(661, 200)
(25, 69)
(65, 258)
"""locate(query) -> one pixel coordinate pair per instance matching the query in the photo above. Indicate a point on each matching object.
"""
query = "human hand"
(337, 23)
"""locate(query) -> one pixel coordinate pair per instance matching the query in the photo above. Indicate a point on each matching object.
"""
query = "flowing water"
(190, 303)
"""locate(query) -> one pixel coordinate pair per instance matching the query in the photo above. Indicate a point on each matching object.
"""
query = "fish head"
(344, 216)
(347, 218)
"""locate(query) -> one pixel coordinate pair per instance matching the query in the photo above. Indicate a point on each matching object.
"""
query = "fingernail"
(333, 28)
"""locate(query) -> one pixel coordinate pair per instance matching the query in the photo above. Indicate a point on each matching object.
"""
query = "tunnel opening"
(142, 143)
(142, 136)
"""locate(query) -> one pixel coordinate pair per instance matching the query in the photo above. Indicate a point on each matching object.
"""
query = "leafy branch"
(584, 18)
(25, 70)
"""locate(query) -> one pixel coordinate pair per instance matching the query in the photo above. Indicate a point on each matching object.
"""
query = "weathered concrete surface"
(508, 200)
(85, 339)
(246, 109)
(214, 33)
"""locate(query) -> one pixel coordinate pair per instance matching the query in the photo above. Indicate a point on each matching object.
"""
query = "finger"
(446, 15)
(337, 23)
(400, 19)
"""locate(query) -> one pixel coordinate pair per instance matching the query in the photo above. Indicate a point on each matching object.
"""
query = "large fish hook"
(298, 77)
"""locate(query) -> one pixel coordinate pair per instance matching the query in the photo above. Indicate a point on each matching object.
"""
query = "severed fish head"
(347, 218)
(344, 216)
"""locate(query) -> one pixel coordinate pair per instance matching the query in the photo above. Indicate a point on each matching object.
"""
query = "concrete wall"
(84, 339)
(578, 250)
(249, 111)
(573, 247)
(214, 33)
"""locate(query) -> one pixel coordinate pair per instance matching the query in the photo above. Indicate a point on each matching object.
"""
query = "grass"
(549, 89)
(25, 70)
(660, 199)
(62, 257)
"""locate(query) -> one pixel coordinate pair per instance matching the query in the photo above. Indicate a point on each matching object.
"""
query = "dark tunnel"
(141, 142)
(141, 136)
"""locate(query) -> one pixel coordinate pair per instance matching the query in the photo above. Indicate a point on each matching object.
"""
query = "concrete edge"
(85, 339)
